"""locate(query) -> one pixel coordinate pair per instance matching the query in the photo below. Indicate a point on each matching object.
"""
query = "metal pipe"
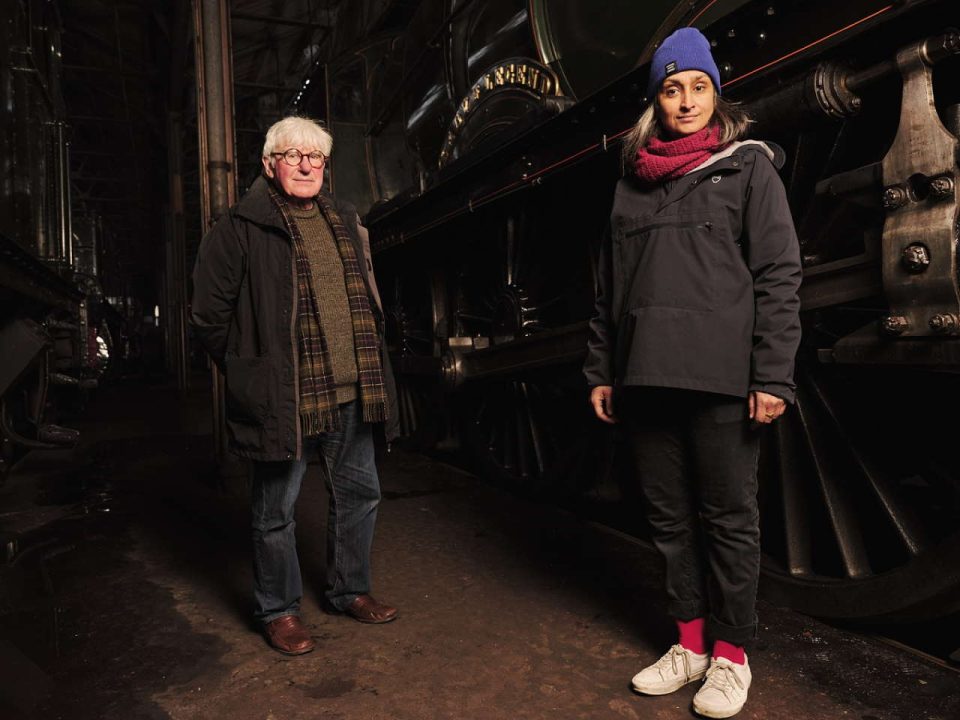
(215, 123)
(67, 198)
(60, 201)
(217, 165)
(176, 277)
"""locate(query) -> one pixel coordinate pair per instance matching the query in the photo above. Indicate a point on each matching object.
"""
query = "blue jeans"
(351, 478)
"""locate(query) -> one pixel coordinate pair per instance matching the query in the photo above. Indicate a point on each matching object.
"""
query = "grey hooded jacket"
(698, 280)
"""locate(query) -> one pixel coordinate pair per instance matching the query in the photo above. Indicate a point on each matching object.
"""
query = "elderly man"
(286, 305)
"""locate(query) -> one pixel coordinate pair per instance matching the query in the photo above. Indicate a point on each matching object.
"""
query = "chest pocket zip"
(707, 225)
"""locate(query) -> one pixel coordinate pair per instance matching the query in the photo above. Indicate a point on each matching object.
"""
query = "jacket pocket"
(248, 382)
(671, 262)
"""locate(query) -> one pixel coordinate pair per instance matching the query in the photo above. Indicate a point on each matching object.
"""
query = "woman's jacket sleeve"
(773, 255)
(598, 367)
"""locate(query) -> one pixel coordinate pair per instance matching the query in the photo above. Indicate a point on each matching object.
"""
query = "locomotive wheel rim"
(921, 588)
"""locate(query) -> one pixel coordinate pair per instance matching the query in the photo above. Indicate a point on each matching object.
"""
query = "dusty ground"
(130, 598)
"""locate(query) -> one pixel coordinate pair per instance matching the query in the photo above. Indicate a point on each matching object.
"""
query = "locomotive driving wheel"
(529, 429)
(536, 434)
(860, 494)
(409, 337)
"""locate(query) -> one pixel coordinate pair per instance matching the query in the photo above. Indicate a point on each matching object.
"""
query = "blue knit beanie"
(685, 49)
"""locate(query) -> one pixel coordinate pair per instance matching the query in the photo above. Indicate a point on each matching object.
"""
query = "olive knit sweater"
(326, 269)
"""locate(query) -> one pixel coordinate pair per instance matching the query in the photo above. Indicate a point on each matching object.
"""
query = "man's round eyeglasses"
(294, 157)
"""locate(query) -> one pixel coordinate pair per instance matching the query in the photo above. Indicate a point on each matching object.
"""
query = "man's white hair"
(297, 131)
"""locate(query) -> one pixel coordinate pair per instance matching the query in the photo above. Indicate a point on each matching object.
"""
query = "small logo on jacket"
(670, 68)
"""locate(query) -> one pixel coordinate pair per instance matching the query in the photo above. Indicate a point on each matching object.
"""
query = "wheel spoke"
(845, 522)
(910, 532)
(535, 432)
(520, 429)
(795, 506)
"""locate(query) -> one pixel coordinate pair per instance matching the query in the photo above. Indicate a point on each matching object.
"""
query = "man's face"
(301, 181)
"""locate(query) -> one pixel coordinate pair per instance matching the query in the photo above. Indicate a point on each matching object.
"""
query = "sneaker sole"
(667, 689)
(717, 713)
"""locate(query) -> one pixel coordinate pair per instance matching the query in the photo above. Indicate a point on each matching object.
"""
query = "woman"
(693, 345)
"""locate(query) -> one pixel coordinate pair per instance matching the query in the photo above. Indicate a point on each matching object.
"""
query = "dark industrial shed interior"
(480, 143)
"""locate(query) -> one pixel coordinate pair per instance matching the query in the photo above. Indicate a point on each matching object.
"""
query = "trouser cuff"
(686, 610)
(733, 634)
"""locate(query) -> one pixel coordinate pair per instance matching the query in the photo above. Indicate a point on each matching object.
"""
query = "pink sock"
(691, 635)
(733, 653)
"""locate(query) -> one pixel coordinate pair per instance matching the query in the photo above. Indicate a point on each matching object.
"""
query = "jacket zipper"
(688, 224)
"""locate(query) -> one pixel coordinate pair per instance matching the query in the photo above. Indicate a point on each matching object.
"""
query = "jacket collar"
(729, 160)
(773, 151)
(257, 206)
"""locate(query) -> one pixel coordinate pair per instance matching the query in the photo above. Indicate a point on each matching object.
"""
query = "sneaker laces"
(722, 678)
(671, 657)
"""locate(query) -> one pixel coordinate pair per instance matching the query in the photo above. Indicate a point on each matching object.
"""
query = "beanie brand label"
(670, 67)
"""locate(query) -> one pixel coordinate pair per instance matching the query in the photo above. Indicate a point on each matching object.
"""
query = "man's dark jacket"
(698, 281)
(244, 314)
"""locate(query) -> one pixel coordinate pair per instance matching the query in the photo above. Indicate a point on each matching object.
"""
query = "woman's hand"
(765, 408)
(601, 397)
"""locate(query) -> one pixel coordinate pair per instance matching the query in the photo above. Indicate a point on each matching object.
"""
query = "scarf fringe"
(320, 421)
(323, 421)
(374, 411)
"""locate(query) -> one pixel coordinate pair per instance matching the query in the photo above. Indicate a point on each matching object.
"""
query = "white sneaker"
(675, 669)
(725, 690)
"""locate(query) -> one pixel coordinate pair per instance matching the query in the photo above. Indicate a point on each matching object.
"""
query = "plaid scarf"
(318, 398)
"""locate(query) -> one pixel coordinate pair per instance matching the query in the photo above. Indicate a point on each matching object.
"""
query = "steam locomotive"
(482, 142)
(55, 341)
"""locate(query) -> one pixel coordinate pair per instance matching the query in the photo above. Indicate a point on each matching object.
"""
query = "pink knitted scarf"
(661, 160)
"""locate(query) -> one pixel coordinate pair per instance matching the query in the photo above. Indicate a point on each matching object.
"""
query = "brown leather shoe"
(287, 634)
(368, 610)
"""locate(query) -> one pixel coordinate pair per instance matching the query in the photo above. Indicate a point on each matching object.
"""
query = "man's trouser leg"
(276, 568)
(354, 495)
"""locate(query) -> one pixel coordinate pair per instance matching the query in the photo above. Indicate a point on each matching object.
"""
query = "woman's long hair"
(732, 120)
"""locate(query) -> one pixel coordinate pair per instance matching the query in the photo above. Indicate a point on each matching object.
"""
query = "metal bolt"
(944, 324)
(941, 187)
(895, 324)
(894, 197)
(915, 257)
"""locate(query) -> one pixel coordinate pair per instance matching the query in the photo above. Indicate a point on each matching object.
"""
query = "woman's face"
(685, 103)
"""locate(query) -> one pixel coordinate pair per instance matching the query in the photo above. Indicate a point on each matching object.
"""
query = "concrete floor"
(128, 597)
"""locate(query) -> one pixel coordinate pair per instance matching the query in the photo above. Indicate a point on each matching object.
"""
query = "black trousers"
(695, 455)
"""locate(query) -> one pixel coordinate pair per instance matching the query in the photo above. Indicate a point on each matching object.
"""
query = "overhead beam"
(269, 20)
(115, 70)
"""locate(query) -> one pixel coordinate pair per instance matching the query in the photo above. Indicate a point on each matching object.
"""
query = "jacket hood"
(774, 153)
(256, 205)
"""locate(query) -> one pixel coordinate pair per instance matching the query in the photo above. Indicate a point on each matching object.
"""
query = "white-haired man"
(286, 305)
